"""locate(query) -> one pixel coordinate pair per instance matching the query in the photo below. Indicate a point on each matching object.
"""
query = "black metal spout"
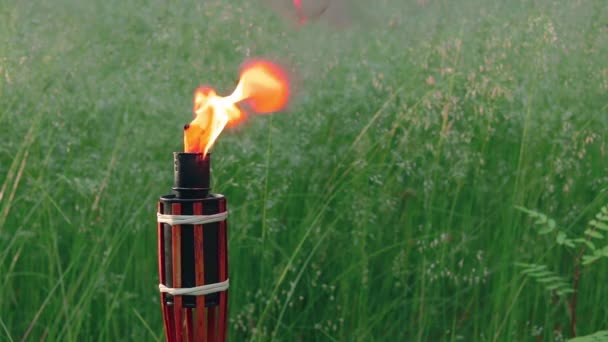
(191, 175)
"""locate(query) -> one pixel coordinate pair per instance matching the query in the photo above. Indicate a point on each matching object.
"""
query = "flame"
(262, 85)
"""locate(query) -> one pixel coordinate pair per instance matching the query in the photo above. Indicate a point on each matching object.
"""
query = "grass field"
(380, 206)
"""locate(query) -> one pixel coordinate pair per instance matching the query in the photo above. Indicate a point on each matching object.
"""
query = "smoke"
(337, 42)
(298, 13)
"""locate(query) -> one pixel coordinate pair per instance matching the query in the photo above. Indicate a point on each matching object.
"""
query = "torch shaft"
(189, 325)
(199, 262)
(162, 275)
(177, 273)
(211, 322)
(223, 274)
(193, 255)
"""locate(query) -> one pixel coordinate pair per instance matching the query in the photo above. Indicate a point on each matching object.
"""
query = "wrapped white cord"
(191, 219)
(196, 291)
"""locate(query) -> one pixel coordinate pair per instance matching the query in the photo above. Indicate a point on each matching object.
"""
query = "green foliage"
(586, 252)
(379, 206)
(549, 279)
(600, 336)
(546, 224)
(588, 239)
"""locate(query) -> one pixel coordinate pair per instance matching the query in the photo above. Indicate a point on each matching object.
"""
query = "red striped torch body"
(192, 254)
(192, 239)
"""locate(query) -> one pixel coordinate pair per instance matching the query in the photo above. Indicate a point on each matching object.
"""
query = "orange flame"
(262, 85)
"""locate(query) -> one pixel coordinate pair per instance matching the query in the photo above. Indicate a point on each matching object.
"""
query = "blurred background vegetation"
(380, 206)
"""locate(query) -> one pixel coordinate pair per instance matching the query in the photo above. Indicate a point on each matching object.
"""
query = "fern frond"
(594, 234)
(587, 242)
(564, 291)
(599, 225)
(603, 214)
(601, 221)
(588, 259)
(600, 336)
(551, 281)
(547, 225)
(530, 268)
(562, 239)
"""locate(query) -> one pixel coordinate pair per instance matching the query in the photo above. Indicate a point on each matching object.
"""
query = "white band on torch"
(191, 219)
(195, 291)
(175, 220)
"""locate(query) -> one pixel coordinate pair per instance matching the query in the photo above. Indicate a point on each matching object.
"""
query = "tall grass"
(381, 206)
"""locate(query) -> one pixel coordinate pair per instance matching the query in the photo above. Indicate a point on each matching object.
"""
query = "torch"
(192, 228)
